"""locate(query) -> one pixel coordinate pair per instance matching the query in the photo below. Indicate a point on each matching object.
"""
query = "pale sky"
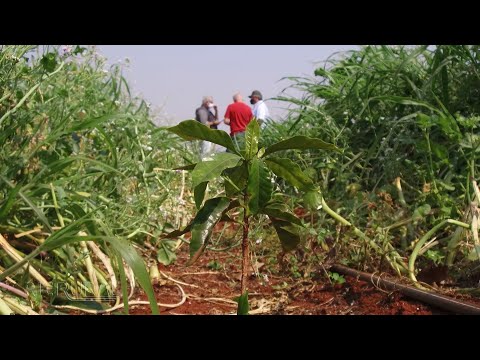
(176, 77)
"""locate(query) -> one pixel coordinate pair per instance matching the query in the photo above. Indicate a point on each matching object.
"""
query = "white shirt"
(260, 110)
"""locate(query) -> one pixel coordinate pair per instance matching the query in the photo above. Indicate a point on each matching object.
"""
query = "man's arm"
(227, 116)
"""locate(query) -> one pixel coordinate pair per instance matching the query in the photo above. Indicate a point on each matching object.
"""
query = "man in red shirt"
(238, 115)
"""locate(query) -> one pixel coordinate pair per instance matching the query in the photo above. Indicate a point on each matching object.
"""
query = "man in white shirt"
(260, 109)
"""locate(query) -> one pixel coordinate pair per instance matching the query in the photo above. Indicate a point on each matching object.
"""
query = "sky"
(174, 78)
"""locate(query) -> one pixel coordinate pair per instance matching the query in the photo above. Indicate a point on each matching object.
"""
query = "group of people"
(237, 116)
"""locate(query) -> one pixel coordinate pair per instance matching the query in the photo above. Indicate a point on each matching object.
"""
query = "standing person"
(213, 120)
(238, 115)
(207, 114)
(260, 109)
(213, 116)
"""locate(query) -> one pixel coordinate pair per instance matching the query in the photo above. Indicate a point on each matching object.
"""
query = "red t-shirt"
(240, 115)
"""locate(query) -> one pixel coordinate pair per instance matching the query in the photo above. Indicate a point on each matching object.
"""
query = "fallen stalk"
(16, 307)
(13, 290)
(440, 301)
(423, 240)
(4, 308)
(396, 263)
(177, 281)
(13, 253)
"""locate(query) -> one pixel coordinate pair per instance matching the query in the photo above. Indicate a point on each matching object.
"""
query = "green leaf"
(112, 147)
(214, 265)
(260, 187)
(210, 170)
(165, 253)
(79, 50)
(199, 193)
(252, 134)
(101, 165)
(243, 306)
(470, 141)
(59, 165)
(5, 209)
(323, 73)
(123, 283)
(30, 203)
(300, 142)
(291, 172)
(49, 61)
(87, 124)
(177, 233)
(235, 179)
(336, 278)
(94, 122)
(421, 212)
(424, 121)
(194, 130)
(203, 224)
(54, 167)
(288, 233)
(440, 151)
(90, 223)
(446, 186)
(279, 211)
(449, 126)
(401, 100)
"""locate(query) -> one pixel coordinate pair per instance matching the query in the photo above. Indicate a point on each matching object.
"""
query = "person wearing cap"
(207, 114)
(260, 109)
(238, 115)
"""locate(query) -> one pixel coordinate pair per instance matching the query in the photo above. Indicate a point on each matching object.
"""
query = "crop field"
(370, 180)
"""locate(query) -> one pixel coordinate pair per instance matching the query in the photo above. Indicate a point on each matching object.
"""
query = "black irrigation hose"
(437, 300)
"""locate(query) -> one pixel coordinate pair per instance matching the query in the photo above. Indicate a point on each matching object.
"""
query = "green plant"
(165, 252)
(294, 266)
(401, 113)
(435, 256)
(336, 278)
(215, 265)
(246, 175)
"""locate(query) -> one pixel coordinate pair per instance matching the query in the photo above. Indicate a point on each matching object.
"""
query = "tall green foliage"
(407, 112)
(78, 152)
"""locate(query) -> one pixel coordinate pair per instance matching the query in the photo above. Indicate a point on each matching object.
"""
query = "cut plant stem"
(13, 253)
(16, 306)
(91, 271)
(13, 290)
(423, 240)
(106, 262)
(4, 308)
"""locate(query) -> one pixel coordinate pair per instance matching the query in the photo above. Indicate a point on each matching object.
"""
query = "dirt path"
(212, 292)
